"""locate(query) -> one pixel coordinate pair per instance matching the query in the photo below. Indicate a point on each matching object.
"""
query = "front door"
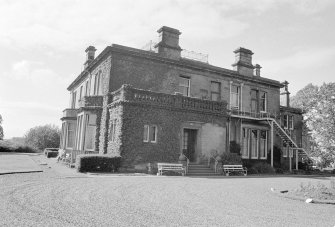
(189, 143)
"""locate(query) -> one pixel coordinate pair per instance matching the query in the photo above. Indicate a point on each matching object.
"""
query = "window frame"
(257, 144)
(112, 130)
(285, 150)
(188, 85)
(265, 144)
(147, 133)
(235, 107)
(218, 93)
(245, 135)
(285, 121)
(263, 102)
(291, 122)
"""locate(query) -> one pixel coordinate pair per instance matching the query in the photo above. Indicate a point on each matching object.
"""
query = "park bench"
(174, 167)
(227, 169)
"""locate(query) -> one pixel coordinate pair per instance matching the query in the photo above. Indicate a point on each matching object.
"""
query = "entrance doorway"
(189, 143)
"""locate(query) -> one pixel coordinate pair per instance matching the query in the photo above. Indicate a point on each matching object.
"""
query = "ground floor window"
(254, 143)
(70, 135)
(150, 133)
(284, 150)
(112, 130)
(90, 132)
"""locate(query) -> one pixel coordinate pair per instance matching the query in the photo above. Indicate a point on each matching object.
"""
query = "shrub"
(235, 147)
(279, 170)
(252, 170)
(8, 146)
(231, 159)
(97, 163)
(263, 167)
(52, 154)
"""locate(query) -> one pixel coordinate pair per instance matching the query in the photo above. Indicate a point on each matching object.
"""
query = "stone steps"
(200, 170)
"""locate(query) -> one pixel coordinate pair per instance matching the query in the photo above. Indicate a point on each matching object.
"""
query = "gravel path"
(54, 199)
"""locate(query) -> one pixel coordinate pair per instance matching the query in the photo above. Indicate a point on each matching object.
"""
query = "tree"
(1, 129)
(41, 137)
(319, 106)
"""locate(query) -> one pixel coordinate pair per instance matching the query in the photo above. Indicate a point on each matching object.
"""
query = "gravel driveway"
(54, 199)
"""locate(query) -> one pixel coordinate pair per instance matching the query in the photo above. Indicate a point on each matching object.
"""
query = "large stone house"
(151, 105)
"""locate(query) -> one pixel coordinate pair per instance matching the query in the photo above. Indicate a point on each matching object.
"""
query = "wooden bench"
(227, 169)
(174, 167)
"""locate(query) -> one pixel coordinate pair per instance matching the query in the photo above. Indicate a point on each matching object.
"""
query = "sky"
(43, 42)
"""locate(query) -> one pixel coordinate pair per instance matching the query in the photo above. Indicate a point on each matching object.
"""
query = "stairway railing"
(278, 127)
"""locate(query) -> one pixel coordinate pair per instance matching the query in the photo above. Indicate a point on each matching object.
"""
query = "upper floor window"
(285, 121)
(74, 97)
(234, 97)
(263, 100)
(97, 82)
(254, 101)
(184, 85)
(86, 88)
(80, 92)
(290, 122)
(215, 91)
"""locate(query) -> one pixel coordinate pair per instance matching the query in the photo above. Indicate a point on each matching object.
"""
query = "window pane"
(146, 133)
(153, 133)
(215, 86)
(215, 97)
(70, 135)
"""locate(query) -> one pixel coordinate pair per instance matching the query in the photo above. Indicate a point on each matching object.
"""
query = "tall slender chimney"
(257, 70)
(90, 52)
(243, 61)
(168, 45)
(285, 96)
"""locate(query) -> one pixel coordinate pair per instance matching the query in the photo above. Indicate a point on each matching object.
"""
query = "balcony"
(131, 95)
(90, 101)
(257, 115)
(70, 113)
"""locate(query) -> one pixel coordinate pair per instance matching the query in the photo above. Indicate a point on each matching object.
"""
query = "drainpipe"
(272, 143)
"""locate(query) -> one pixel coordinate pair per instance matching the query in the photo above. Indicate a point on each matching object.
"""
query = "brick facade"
(157, 75)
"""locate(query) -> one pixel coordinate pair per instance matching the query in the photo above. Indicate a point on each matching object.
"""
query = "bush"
(231, 159)
(52, 154)
(263, 167)
(252, 170)
(8, 146)
(235, 147)
(97, 163)
(279, 170)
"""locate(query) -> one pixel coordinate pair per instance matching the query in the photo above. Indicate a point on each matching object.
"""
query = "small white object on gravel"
(309, 200)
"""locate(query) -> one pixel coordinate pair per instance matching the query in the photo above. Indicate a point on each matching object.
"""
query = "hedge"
(97, 163)
(52, 154)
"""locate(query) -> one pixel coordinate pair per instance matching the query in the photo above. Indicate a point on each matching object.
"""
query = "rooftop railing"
(192, 55)
(91, 101)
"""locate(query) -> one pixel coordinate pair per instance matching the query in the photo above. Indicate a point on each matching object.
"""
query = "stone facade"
(221, 104)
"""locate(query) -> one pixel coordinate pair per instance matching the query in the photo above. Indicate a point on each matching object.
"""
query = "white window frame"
(188, 85)
(89, 126)
(291, 122)
(148, 129)
(246, 136)
(285, 117)
(113, 130)
(73, 135)
(257, 144)
(265, 101)
(266, 144)
(236, 94)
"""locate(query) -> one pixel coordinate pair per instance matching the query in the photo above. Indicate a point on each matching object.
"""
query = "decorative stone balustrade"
(128, 94)
(91, 101)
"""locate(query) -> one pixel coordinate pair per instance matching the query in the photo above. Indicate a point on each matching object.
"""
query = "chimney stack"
(257, 70)
(243, 61)
(168, 45)
(285, 96)
(90, 52)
